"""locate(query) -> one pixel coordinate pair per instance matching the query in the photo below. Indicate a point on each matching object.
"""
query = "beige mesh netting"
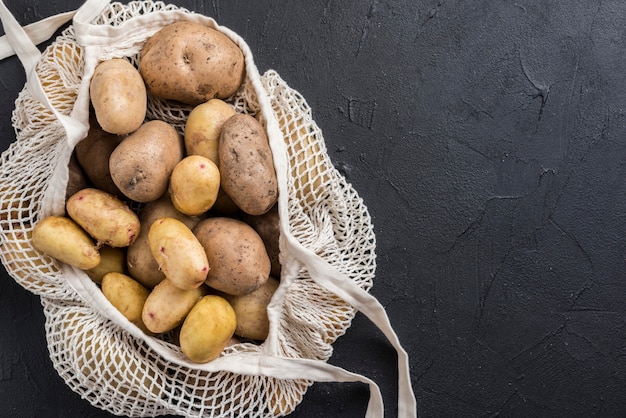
(327, 244)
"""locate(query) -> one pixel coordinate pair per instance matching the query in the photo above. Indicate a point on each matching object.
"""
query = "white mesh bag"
(327, 240)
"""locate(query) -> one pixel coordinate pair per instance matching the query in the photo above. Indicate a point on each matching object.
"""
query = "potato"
(178, 252)
(118, 96)
(203, 128)
(105, 217)
(251, 311)
(207, 329)
(127, 295)
(93, 154)
(268, 228)
(224, 205)
(247, 165)
(142, 163)
(112, 259)
(191, 63)
(167, 306)
(77, 179)
(63, 239)
(237, 256)
(194, 185)
(141, 264)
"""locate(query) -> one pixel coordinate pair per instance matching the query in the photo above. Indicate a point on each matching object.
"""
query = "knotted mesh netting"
(105, 358)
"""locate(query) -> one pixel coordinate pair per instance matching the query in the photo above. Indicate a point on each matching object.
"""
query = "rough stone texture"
(487, 140)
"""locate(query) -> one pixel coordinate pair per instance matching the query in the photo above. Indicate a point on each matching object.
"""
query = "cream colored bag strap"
(327, 276)
(19, 40)
(38, 32)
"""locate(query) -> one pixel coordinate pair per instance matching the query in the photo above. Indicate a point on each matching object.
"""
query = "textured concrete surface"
(487, 139)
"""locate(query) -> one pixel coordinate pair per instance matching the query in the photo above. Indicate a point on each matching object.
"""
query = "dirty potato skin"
(237, 256)
(142, 163)
(191, 63)
(251, 311)
(77, 179)
(93, 154)
(268, 228)
(247, 165)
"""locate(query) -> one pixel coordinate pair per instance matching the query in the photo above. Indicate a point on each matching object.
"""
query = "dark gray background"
(487, 139)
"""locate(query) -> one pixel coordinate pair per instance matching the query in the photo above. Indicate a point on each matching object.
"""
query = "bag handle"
(24, 46)
(38, 32)
(328, 276)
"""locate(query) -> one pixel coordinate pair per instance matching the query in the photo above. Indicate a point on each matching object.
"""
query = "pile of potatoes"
(179, 230)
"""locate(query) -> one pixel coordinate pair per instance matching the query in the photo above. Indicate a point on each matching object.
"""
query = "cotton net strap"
(21, 41)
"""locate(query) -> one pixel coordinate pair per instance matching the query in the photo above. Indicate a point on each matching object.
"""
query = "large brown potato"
(268, 228)
(191, 63)
(93, 154)
(142, 163)
(77, 179)
(251, 311)
(237, 256)
(247, 165)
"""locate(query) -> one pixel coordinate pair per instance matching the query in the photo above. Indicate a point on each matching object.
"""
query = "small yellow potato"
(93, 153)
(251, 311)
(105, 217)
(207, 329)
(127, 295)
(191, 63)
(247, 165)
(63, 239)
(118, 95)
(268, 228)
(142, 163)
(236, 253)
(112, 259)
(167, 306)
(178, 252)
(203, 128)
(194, 185)
(141, 264)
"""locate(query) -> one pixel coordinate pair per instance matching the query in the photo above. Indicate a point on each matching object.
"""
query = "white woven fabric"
(327, 243)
